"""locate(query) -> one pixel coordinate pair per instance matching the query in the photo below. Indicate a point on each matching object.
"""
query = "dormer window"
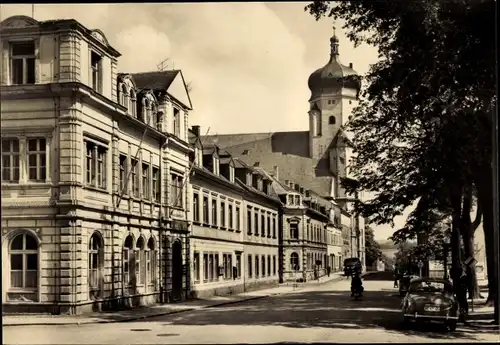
(124, 96)
(231, 173)
(23, 62)
(132, 108)
(260, 185)
(215, 165)
(289, 200)
(199, 158)
(297, 200)
(249, 179)
(146, 111)
(96, 70)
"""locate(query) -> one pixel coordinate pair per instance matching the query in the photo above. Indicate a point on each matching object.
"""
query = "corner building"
(93, 168)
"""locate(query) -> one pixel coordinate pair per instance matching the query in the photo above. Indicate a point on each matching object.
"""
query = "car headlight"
(410, 306)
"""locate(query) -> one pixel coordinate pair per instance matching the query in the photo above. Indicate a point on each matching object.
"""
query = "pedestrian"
(396, 276)
(328, 269)
(462, 294)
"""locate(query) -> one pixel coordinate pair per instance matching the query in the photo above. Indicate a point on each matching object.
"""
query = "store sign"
(180, 225)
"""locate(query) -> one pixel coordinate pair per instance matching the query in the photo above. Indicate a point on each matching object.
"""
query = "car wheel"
(452, 326)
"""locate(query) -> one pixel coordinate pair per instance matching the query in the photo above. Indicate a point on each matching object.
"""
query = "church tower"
(334, 94)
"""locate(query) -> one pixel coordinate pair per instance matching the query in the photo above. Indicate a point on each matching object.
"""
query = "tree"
(372, 248)
(419, 130)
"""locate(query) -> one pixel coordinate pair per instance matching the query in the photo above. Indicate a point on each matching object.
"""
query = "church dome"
(333, 75)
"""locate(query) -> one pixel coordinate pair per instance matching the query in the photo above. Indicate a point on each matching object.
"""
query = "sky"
(247, 63)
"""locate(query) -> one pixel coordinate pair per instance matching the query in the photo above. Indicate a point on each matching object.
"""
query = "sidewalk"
(336, 276)
(142, 313)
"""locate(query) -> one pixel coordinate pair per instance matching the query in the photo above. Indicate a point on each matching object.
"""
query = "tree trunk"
(471, 271)
(456, 204)
(484, 188)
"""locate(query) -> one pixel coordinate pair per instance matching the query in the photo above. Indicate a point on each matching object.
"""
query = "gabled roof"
(170, 81)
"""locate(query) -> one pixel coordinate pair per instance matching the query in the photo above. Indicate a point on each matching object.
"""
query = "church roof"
(289, 151)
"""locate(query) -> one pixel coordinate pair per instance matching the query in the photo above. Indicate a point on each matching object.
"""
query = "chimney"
(196, 130)
(291, 185)
(287, 182)
(308, 193)
(256, 164)
(350, 64)
(276, 172)
(297, 187)
(301, 190)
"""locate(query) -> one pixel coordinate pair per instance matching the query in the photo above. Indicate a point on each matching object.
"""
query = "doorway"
(176, 270)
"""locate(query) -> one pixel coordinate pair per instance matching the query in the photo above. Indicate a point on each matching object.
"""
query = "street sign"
(420, 264)
(470, 261)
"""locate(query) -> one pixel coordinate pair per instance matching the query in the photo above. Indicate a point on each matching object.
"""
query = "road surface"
(323, 313)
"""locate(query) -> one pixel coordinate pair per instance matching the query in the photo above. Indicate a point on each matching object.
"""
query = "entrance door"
(176, 270)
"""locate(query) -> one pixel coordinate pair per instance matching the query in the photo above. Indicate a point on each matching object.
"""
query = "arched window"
(331, 120)
(128, 262)
(96, 250)
(124, 96)
(159, 116)
(139, 261)
(23, 253)
(294, 262)
(151, 264)
(133, 103)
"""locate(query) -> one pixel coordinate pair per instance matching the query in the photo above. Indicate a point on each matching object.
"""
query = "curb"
(135, 318)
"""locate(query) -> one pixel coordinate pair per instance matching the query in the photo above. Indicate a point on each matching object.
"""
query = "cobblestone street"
(316, 313)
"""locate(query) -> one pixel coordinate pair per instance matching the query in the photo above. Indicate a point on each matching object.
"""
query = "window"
(10, 160)
(196, 207)
(231, 173)
(196, 266)
(263, 262)
(123, 173)
(177, 122)
(139, 261)
(128, 262)
(133, 104)
(263, 225)
(176, 188)
(23, 62)
(214, 212)
(249, 222)
(146, 109)
(151, 264)
(269, 265)
(294, 231)
(297, 200)
(274, 265)
(249, 265)
(237, 218)
(227, 266)
(124, 96)
(36, 159)
(145, 181)
(294, 262)
(206, 267)
(268, 226)
(156, 184)
(230, 215)
(331, 120)
(95, 67)
(215, 165)
(135, 178)
(205, 210)
(95, 165)
(216, 268)
(256, 225)
(290, 199)
(256, 266)
(274, 227)
(223, 214)
(238, 265)
(23, 253)
(96, 252)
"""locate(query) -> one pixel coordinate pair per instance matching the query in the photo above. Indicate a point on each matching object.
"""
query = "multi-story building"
(305, 219)
(317, 158)
(93, 166)
(234, 238)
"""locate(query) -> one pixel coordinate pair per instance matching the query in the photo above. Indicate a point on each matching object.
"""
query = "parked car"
(404, 283)
(350, 264)
(431, 299)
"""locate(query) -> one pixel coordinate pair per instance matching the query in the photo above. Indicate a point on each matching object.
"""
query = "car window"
(429, 286)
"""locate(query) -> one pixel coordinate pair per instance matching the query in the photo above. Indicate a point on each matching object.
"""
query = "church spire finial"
(334, 44)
